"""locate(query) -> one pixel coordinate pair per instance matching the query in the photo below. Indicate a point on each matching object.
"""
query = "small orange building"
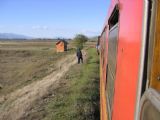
(61, 46)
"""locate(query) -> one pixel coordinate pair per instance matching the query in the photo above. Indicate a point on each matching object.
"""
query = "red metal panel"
(128, 59)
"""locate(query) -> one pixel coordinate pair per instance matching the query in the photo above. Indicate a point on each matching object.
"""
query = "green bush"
(80, 40)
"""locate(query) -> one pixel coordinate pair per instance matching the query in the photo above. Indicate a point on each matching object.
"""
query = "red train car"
(130, 61)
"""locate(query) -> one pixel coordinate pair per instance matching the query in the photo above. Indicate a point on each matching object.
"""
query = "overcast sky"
(53, 18)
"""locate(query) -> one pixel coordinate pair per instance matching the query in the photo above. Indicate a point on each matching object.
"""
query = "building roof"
(61, 41)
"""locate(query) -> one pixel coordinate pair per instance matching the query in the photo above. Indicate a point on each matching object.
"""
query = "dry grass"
(15, 105)
(74, 97)
(24, 62)
(25, 92)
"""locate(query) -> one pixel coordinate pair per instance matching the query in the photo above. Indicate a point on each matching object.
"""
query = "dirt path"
(14, 105)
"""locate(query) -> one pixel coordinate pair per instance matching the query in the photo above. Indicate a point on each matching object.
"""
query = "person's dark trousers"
(80, 59)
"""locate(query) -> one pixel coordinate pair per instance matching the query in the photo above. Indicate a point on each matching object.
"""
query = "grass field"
(24, 62)
(79, 98)
(76, 97)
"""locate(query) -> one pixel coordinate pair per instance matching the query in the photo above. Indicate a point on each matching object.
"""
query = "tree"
(80, 40)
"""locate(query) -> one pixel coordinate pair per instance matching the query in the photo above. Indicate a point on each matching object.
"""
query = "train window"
(112, 56)
(114, 18)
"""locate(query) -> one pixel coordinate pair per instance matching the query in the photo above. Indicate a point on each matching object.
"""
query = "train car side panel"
(128, 59)
(103, 49)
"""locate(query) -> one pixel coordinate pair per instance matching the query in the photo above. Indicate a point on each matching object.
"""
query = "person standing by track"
(79, 56)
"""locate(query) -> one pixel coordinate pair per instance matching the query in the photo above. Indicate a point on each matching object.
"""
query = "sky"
(53, 18)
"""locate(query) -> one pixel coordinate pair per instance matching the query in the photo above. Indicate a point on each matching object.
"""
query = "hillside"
(13, 36)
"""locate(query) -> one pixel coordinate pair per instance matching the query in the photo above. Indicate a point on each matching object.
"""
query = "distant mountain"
(13, 36)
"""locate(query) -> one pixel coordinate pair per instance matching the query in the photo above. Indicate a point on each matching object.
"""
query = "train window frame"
(151, 68)
(113, 34)
(154, 50)
(114, 18)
